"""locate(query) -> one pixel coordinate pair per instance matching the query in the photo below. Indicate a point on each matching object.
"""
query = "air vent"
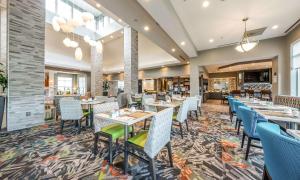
(256, 32)
(292, 26)
(229, 44)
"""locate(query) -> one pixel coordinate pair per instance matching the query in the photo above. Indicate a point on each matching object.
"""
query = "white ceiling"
(239, 67)
(222, 19)
(150, 55)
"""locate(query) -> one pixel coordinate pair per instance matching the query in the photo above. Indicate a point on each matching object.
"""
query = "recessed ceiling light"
(173, 50)
(182, 43)
(98, 5)
(211, 40)
(188, 62)
(102, 40)
(112, 36)
(275, 27)
(205, 4)
(146, 28)
(120, 20)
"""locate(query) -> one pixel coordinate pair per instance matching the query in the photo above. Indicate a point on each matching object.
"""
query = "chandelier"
(69, 25)
(246, 45)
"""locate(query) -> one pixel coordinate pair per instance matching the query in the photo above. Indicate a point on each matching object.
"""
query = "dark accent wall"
(26, 41)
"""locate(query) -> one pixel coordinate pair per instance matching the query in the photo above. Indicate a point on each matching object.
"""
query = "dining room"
(147, 89)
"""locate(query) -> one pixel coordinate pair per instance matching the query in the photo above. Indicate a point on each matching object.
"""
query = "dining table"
(90, 103)
(274, 112)
(165, 104)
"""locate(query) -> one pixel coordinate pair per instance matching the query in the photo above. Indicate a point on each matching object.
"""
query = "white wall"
(58, 55)
(265, 50)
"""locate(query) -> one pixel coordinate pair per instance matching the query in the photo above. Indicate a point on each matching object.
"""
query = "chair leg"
(110, 150)
(96, 143)
(180, 125)
(145, 124)
(239, 127)
(248, 148)
(243, 139)
(170, 154)
(126, 158)
(79, 126)
(61, 126)
(196, 114)
(266, 175)
(236, 122)
(187, 126)
(153, 168)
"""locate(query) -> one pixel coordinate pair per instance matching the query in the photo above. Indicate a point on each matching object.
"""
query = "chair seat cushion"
(174, 116)
(86, 113)
(139, 139)
(115, 130)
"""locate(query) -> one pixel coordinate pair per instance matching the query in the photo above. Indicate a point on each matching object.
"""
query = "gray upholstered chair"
(130, 102)
(71, 110)
(148, 108)
(181, 116)
(193, 105)
(153, 141)
(106, 128)
(122, 100)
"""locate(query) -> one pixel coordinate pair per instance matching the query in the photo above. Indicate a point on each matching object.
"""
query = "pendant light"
(246, 45)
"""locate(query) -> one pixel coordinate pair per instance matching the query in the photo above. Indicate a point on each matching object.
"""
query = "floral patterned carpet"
(210, 150)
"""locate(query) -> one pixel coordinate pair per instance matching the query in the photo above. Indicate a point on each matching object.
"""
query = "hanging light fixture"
(246, 45)
(78, 54)
(67, 42)
(55, 24)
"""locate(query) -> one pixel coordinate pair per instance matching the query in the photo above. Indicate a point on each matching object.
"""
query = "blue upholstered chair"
(231, 108)
(238, 121)
(281, 153)
(249, 119)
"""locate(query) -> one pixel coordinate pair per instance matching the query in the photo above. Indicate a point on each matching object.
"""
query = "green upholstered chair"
(71, 110)
(151, 142)
(106, 128)
(181, 116)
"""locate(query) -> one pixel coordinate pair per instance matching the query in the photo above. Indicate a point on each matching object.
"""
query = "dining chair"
(122, 100)
(71, 110)
(130, 103)
(148, 108)
(193, 105)
(151, 142)
(249, 119)
(238, 121)
(106, 128)
(281, 153)
(232, 112)
(199, 97)
(181, 116)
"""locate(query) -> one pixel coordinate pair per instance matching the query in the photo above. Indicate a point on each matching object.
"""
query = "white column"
(97, 70)
(130, 60)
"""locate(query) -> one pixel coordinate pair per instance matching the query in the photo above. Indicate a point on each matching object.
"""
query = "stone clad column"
(130, 60)
(97, 70)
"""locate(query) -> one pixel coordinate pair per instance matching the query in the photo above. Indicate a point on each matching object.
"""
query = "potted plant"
(3, 84)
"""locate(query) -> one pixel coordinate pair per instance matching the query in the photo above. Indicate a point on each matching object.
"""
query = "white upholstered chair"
(106, 128)
(71, 110)
(181, 116)
(193, 105)
(153, 141)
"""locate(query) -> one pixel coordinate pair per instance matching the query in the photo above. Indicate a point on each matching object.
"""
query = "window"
(50, 5)
(65, 84)
(64, 9)
(82, 85)
(295, 72)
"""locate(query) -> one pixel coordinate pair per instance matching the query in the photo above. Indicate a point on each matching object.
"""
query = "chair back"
(281, 152)
(236, 105)
(101, 108)
(230, 99)
(183, 111)
(249, 119)
(199, 100)
(70, 109)
(159, 133)
(147, 107)
(129, 99)
(147, 96)
(193, 103)
(168, 98)
(122, 100)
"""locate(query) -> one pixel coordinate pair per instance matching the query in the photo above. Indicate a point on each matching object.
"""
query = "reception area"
(148, 89)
